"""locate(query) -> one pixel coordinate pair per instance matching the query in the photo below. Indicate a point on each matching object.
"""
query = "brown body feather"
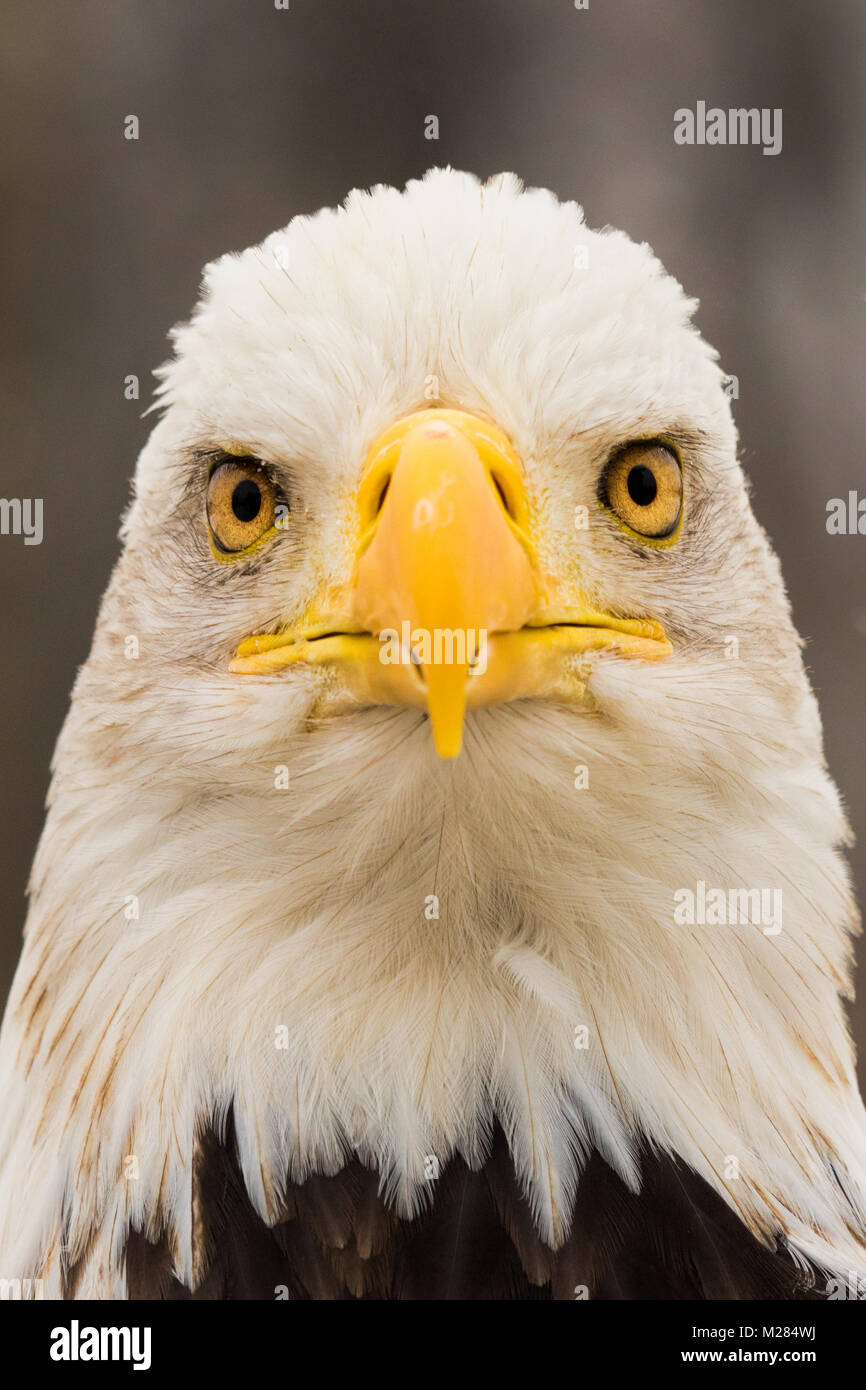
(337, 1239)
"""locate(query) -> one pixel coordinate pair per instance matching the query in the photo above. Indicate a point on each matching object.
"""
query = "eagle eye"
(241, 505)
(643, 486)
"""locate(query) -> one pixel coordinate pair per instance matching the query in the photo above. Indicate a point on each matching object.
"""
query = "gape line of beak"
(446, 609)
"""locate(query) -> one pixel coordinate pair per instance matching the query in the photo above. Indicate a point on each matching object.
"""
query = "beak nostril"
(503, 496)
(383, 493)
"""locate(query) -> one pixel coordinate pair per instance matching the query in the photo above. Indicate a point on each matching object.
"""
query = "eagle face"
(444, 658)
(562, 375)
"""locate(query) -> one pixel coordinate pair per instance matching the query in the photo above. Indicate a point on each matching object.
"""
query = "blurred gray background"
(251, 114)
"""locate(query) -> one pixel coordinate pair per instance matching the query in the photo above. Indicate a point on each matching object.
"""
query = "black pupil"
(247, 500)
(642, 485)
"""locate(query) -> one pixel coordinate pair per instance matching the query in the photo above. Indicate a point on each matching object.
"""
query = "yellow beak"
(446, 607)
(444, 564)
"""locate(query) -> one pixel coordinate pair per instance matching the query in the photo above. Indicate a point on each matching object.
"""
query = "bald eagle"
(441, 893)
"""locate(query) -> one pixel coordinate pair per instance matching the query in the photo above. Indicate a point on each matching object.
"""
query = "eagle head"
(444, 768)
